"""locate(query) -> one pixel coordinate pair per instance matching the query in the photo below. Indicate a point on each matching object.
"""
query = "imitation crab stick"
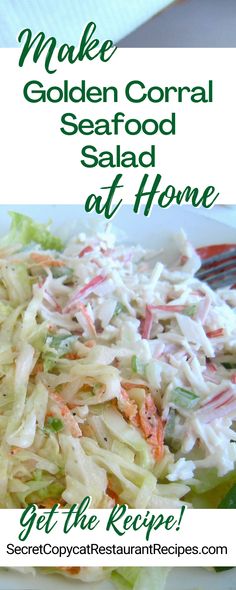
(215, 333)
(146, 323)
(219, 399)
(82, 292)
(81, 307)
(85, 250)
(219, 406)
(169, 307)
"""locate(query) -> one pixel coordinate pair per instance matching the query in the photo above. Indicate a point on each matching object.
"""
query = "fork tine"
(206, 270)
(225, 279)
(219, 257)
(218, 267)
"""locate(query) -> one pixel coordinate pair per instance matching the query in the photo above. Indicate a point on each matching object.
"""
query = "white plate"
(154, 231)
(179, 579)
(65, 20)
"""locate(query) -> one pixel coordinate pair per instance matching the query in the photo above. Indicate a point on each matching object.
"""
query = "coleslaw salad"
(118, 378)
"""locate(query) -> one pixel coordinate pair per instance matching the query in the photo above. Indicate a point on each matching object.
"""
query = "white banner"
(182, 130)
(119, 538)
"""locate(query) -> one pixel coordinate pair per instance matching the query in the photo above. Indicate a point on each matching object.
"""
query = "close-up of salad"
(118, 379)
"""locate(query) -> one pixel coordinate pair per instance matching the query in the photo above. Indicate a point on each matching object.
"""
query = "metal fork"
(218, 267)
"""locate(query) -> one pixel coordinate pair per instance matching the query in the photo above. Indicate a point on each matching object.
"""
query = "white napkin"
(65, 19)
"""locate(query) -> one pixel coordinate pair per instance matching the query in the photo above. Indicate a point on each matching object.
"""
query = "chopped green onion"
(97, 388)
(62, 342)
(170, 440)
(136, 365)
(120, 307)
(49, 362)
(184, 398)
(170, 425)
(54, 424)
(53, 490)
(229, 501)
(191, 310)
(58, 271)
(38, 474)
(229, 365)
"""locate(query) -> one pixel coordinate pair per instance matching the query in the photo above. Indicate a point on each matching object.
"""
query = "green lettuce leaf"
(24, 230)
(133, 578)
(208, 489)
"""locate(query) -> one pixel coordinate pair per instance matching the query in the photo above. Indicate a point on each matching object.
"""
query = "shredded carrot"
(126, 405)
(66, 414)
(15, 450)
(87, 387)
(130, 385)
(90, 343)
(112, 495)
(4, 252)
(72, 356)
(72, 406)
(71, 570)
(152, 427)
(45, 260)
(136, 421)
(49, 502)
(87, 430)
(38, 368)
